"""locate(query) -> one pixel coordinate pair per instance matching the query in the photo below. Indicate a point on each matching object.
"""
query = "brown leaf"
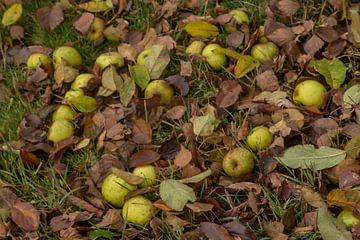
(287, 7)
(229, 93)
(235, 39)
(168, 9)
(327, 33)
(312, 197)
(278, 32)
(11, 2)
(167, 41)
(103, 167)
(180, 83)
(313, 45)
(198, 207)
(142, 132)
(246, 186)
(183, 157)
(25, 216)
(70, 233)
(127, 51)
(176, 222)
(161, 205)
(335, 48)
(83, 23)
(82, 204)
(7, 198)
(185, 68)
(176, 113)
(240, 231)
(127, 176)
(344, 198)
(16, 32)
(214, 231)
(50, 17)
(348, 179)
(267, 81)
(112, 218)
(143, 157)
(273, 228)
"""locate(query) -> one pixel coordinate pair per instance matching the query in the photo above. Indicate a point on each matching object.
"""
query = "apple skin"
(73, 94)
(96, 30)
(262, 38)
(109, 58)
(138, 210)
(264, 51)
(141, 58)
(64, 112)
(310, 93)
(348, 218)
(238, 161)
(37, 59)
(240, 16)
(114, 189)
(69, 54)
(148, 172)
(260, 138)
(60, 129)
(160, 88)
(81, 81)
(216, 61)
(196, 47)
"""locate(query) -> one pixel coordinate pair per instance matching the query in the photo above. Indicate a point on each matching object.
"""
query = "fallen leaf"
(278, 32)
(17, 32)
(327, 33)
(351, 96)
(83, 23)
(50, 17)
(127, 51)
(201, 29)
(287, 7)
(331, 228)
(183, 157)
(84, 103)
(204, 125)
(142, 132)
(96, 6)
(25, 216)
(214, 231)
(354, 28)
(140, 75)
(197, 178)
(235, 39)
(185, 68)
(228, 94)
(244, 65)
(176, 194)
(313, 45)
(344, 198)
(175, 222)
(143, 157)
(127, 176)
(12, 14)
(176, 113)
(312, 197)
(157, 60)
(111, 218)
(237, 229)
(267, 81)
(198, 207)
(127, 90)
(333, 70)
(180, 83)
(273, 228)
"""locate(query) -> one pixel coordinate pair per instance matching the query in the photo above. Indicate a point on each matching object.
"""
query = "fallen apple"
(96, 30)
(264, 51)
(238, 161)
(63, 112)
(73, 94)
(138, 210)
(60, 129)
(69, 54)
(148, 172)
(109, 58)
(37, 59)
(114, 189)
(195, 47)
(81, 81)
(259, 138)
(216, 60)
(141, 58)
(159, 88)
(348, 218)
(310, 93)
(262, 38)
(240, 16)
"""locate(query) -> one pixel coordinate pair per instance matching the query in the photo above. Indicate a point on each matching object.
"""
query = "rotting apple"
(216, 60)
(259, 138)
(73, 94)
(264, 51)
(138, 210)
(141, 58)
(81, 81)
(310, 93)
(69, 54)
(159, 88)
(148, 172)
(238, 161)
(60, 129)
(114, 189)
(196, 47)
(348, 218)
(37, 59)
(240, 16)
(109, 58)
(96, 30)
(63, 112)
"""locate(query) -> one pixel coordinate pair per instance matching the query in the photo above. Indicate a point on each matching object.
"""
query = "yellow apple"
(148, 172)
(69, 54)
(195, 47)
(114, 189)
(238, 161)
(216, 60)
(109, 58)
(81, 81)
(63, 112)
(348, 218)
(138, 210)
(310, 93)
(37, 59)
(141, 58)
(240, 16)
(259, 138)
(60, 129)
(73, 94)
(264, 51)
(96, 30)
(159, 88)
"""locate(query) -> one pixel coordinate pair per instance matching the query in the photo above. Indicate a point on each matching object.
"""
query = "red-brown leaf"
(83, 23)
(143, 157)
(229, 93)
(313, 45)
(287, 7)
(142, 132)
(50, 17)
(198, 207)
(267, 81)
(25, 216)
(176, 112)
(17, 32)
(214, 231)
(183, 157)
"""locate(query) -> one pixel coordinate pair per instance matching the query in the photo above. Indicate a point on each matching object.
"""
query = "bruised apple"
(138, 210)
(264, 51)
(259, 138)
(69, 54)
(238, 161)
(196, 47)
(216, 60)
(310, 93)
(109, 58)
(60, 129)
(37, 59)
(159, 88)
(63, 112)
(148, 172)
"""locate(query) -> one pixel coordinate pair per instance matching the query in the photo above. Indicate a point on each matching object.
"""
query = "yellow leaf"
(201, 29)
(244, 65)
(97, 6)
(12, 14)
(344, 198)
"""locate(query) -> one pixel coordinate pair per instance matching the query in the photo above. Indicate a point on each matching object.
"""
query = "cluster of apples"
(138, 210)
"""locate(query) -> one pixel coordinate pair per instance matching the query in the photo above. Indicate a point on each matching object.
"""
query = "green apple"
(73, 94)
(12, 14)
(265, 51)
(195, 47)
(114, 189)
(138, 210)
(259, 138)
(348, 218)
(81, 81)
(160, 88)
(262, 38)
(109, 58)
(148, 172)
(240, 16)
(141, 58)
(60, 129)
(216, 60)
(37, 59)
(69, 54)
(63, 112)
(238, 161)
(96, 30)
(310, 93)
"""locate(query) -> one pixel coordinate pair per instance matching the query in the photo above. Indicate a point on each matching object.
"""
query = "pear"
(64, 112)
(260, 138)
(196, 47)
(81, 81)
(310, 93)
(264, 51)
(148, 172)
(238, 162)
(60, 129)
